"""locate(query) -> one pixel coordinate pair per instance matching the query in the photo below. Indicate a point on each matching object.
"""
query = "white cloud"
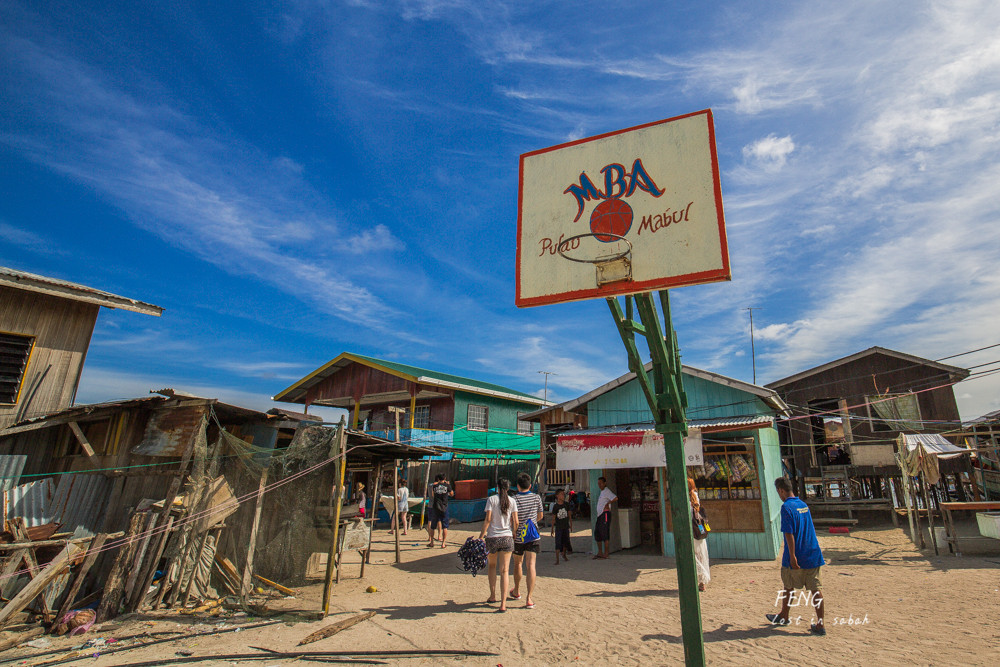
(190, 187)
(373, 240)
(769, 153)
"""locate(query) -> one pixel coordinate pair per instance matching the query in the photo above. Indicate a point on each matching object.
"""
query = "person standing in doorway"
(602, 528)
(562, 524)
(802, 558)
(527, 541)
(441, 492)
(501, 516)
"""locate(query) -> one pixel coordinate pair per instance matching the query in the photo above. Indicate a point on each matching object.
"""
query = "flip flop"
(492, 601)
(530, 606)
(513, 597)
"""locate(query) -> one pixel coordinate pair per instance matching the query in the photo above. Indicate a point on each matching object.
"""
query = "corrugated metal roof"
(80, 503)
(32, 502)
(64, 289)
(11, 466)
(723, 424)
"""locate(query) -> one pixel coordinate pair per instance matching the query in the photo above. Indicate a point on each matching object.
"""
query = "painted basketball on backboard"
(611, 216)
(657, 185)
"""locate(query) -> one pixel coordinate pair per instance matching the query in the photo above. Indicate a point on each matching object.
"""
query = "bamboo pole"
(376, 504)
(332, 553)
(395, 505)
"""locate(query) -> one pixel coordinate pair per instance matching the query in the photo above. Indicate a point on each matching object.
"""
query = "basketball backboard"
(647, 197)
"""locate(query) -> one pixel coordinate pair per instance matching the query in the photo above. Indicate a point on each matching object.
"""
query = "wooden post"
(247, 583)
(930, 514)
(331, 565)
(197, 561)
(376, 504)
(150, 572)
(395, 505)
(114, 584)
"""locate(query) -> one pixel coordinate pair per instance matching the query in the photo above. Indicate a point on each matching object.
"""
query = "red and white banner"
(634, 449)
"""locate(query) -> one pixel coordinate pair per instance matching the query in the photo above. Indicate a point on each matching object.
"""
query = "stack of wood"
(34, 561)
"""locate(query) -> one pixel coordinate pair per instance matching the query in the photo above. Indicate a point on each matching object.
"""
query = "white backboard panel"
(657, 185)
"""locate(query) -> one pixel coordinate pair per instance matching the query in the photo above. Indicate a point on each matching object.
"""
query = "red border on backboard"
(619, 289)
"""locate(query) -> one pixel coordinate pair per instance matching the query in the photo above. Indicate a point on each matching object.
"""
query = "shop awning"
(633, 448)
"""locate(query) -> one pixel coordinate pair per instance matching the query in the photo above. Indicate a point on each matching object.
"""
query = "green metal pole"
(667, 401)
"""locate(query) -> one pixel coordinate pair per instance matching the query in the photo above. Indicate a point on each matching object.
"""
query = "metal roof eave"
(64, 289)
(769, 396)
(951, 370)
(295, 392)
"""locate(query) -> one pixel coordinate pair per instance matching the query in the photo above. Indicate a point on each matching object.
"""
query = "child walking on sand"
(562, 524)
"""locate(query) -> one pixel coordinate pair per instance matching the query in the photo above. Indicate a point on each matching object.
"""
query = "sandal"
(513, 597)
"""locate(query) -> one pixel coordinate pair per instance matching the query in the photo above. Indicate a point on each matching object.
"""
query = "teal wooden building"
(741, 455)
(475, 419)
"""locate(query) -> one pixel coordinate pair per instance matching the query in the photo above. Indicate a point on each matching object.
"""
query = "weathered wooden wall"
(62, 331)
(855, 382)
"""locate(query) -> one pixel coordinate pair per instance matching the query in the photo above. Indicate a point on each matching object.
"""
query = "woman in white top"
(402, 513)
(501, 515)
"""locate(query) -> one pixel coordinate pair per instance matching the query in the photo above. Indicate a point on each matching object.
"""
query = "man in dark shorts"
(602, 528)
(529, 508)
(437, 513)
(802, 558)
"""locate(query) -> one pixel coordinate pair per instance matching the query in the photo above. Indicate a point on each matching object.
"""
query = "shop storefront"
(732, 463)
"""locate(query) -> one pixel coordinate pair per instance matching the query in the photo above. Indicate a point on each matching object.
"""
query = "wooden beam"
(93, 551)
(114, 585)
(37, 585)
(333, 629)
(252, 547)
(82, 439)
(332, 553)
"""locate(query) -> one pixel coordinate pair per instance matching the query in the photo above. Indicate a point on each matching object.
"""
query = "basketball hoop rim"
(561, 248)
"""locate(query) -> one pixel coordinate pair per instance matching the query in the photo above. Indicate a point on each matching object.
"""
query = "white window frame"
(485, 420)
(422, 416)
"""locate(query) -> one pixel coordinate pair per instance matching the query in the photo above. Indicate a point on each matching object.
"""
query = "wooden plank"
(11, 546)
(37, 585)
(17, 640)
(82, 439)
(93, 551)
(150, 568)
(247, 582)
(137, 566)
(334, 628)
(115, 583)
(276, 586)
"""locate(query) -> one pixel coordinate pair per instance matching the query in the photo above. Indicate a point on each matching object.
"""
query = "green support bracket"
(664, 391)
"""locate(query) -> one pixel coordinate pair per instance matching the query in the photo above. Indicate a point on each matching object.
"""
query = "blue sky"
(290, 180)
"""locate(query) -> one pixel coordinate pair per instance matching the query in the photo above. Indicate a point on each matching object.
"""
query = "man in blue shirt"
(802, 559)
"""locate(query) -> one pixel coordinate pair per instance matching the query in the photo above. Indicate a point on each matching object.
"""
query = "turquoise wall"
(502, 433)
(707, 400)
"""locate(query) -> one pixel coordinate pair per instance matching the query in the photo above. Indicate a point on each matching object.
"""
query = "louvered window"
(14, 353)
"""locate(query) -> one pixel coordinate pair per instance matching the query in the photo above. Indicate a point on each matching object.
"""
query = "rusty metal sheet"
(170, 431)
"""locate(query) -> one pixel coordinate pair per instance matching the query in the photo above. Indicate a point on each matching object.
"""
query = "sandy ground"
(914, 608)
